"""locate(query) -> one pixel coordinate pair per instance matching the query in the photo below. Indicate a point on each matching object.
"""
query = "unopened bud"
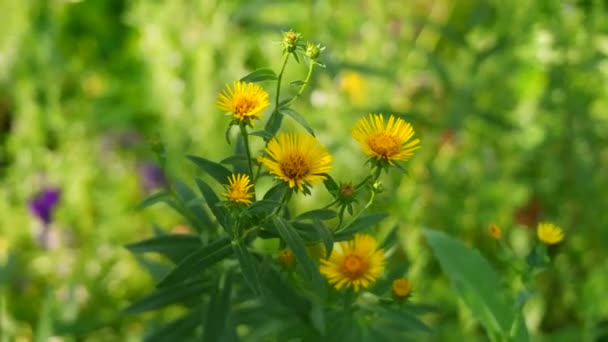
(290, 40)
(313, 50)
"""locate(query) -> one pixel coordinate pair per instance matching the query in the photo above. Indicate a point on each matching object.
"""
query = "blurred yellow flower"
(245, 101)
(402, 288)
(286, 257)
(237, 190)
(354, 85)
(297, 159)
(495, 231)
(357, 263)
(549, 233)
(386, 142)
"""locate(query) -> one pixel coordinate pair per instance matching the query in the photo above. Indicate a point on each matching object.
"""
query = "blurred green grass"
(509, 100)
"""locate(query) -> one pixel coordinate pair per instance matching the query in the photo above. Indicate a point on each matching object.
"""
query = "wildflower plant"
(253, 269)
(499, 308)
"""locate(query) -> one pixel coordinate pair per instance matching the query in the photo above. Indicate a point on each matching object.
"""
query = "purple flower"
(44, 203)
(152, 176)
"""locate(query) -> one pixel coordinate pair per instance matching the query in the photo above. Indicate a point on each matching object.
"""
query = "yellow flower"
(237, 191)
(286, 257)
(402, 288)
(386, 142)
(549, 233)
(495, 231)
(245, 101)
(357, 263)
(297, 159)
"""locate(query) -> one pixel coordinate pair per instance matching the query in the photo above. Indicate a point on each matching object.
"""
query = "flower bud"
(286, 258)
(290, 41)
(313, 50)
(495, 231)
(402, 288)
(346, 192)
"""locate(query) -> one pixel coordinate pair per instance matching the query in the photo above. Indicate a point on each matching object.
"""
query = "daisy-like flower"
(237, 189)
(386, 142)
(402, 288)
(245, 101)
(495, 231)
(356, 263)
(297, 159)
(549, 233)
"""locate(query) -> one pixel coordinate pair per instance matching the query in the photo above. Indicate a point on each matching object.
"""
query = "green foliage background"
(509, 99)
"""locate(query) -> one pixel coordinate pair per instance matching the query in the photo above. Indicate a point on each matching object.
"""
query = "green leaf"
(297, 83)
(248, 266)
(217, 312)
(175, 247)
(161, 196)
(319, 214)
(359, 224)
(297, 117)
(188, 292)
(391, 238)
(215, 170)
(180, 329)
(213, 202)
(263, 207)
(474, 280)
(235, 159)
(196, 213)
(262, 134)
(331, 185)
(296, 244)
(259, 75)
(274, 123)
(275, 193)
(196, 263)
(276, 289)
(326, 236)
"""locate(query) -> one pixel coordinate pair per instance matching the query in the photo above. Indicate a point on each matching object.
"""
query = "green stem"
(303, 86)
(247, 150)
(275, 112)
(356, 216)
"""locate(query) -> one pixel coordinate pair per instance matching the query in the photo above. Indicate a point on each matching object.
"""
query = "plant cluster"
(253, 268)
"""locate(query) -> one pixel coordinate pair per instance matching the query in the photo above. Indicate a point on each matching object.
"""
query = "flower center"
(353, 266)
(383, 144)
(295, 166)
(243, 106)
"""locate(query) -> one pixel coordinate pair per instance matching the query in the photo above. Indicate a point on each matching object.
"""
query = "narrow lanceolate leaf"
(319, 214)
(262, 134)
(274, 123)
(197, 215)
(326, 236)
(158, 197)
(188, 292)
(391, 239)
(218, 311)
(259, 75)
(297, 117)
(180, 329)
(219, 211)
(475, 281)
(175, 247)
(296, 244)
(360, 224)
(196, 263)
(248, 266)
(215, 170)
(331, 185)
(264, 207)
